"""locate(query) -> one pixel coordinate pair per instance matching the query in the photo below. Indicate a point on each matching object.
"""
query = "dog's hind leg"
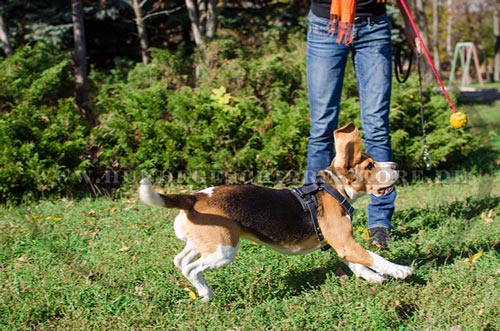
(185, 256)
(213, 237)
(194, 271)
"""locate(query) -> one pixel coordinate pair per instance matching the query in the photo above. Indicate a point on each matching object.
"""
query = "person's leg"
(373, 65)
(326, 61)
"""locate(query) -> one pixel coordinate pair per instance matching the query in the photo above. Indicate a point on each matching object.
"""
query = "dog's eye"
(370, 166)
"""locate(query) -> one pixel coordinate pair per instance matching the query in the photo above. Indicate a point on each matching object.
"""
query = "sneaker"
(379, 237)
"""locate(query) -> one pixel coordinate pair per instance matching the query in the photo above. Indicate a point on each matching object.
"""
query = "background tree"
(449, 25)
(496, 34)
(144, 10)
(203, 17)
(141, 29)
(422, 23)
(81, 86)
(4, 37)
(435, 33)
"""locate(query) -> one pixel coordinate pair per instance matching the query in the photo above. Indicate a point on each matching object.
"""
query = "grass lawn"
(103, 264)
(100, 264)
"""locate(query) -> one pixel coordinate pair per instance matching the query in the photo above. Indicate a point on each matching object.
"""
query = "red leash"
(428, 56)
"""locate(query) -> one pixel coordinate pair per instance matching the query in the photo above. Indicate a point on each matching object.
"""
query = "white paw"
(384, 267)
(206, 296)
(401, 272)
(366, 273)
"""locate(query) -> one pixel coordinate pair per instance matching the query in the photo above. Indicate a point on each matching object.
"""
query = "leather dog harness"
(306, 195)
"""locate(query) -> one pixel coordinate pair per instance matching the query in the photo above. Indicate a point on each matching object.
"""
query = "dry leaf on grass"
(365, 234)
(473, 258)
(124, 249)
(488, 217)
(190, 293)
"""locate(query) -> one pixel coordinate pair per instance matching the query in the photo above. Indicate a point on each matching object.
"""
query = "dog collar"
(306, 195)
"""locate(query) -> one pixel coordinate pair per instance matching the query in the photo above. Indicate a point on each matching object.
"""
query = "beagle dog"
(212, 221)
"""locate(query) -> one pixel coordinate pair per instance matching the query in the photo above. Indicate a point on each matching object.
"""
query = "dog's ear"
(347, 147)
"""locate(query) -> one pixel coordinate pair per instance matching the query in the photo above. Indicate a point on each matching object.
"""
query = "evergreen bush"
(42, 138)
(246, 119)
(42, 150)
(37, 75)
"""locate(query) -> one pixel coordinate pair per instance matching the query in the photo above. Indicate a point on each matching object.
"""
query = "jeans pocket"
(317, 27)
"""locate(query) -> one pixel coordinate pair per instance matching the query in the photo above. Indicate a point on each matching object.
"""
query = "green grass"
(100, 264)
(103, 264)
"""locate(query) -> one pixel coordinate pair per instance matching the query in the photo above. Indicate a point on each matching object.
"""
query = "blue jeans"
(326, 61)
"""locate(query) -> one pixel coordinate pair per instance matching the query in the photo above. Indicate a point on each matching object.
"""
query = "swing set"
(465, 52)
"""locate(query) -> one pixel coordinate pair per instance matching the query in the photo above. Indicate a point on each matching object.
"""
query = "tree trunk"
(211, 18)
(423, 27)
(141, 30)
(449, 26)
(4, 38)
(435, 34)
(496, 33)
(81, 97)
(195, 23)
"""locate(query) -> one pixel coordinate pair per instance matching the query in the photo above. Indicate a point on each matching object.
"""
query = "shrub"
(245, 120)
(446, 144)
(42, 150)
(134, 131)
(37, 75)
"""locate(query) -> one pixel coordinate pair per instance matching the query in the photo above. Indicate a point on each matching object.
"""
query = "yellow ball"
(458, 120)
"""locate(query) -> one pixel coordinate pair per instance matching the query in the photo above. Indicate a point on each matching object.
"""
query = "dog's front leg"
(366, 273)
(368, 265)
(339, 235)
(384, 267)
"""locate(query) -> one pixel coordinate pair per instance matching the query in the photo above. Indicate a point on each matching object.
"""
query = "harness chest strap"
(306, 195)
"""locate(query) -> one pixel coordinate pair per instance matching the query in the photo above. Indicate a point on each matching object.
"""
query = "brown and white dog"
(212, 221)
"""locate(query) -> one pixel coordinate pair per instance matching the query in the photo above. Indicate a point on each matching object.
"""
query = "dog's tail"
(148, 195)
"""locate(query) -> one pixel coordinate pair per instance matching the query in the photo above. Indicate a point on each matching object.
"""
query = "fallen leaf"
(183, 285)
(488, 217)
(124, 249)
(190, 293)
(92, 213)
(53, 218)
(139, 290)
(297, 307)
(90, 276)
(473, 258)
(456, 328)
(365, 234)
(22, 259)
(112, 209)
